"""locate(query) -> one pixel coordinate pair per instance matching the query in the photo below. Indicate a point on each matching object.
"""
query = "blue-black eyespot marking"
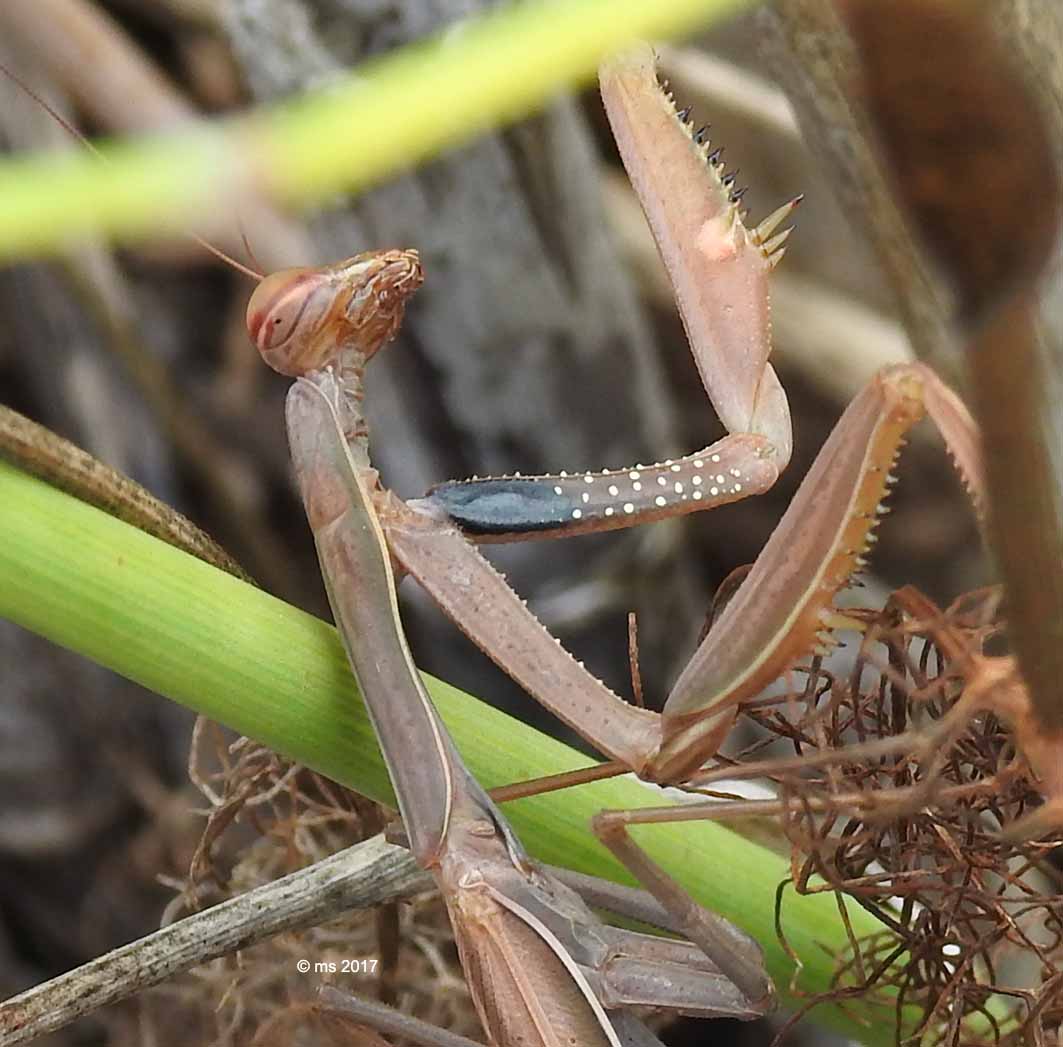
(503, 506)
(516, 505)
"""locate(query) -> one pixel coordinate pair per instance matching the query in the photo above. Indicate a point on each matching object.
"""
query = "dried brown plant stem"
(119, 83)
(814, 60)
(64, 465)
(1027, 495)
(1017, 360)
(359, 877)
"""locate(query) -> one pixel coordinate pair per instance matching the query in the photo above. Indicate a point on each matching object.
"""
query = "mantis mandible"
(541, 967)
(783, 609)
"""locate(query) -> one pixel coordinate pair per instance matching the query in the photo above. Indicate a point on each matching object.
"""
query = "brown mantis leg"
(386, 1019)
(724, 944)
(782, 609)
(719, 270)
(809, 570)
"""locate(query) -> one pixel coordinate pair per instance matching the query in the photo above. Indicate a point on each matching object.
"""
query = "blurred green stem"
(388, 115)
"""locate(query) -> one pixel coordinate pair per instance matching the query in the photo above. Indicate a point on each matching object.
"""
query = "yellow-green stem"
(387, 115)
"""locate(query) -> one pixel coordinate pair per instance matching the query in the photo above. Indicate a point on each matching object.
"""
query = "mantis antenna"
(88, 144)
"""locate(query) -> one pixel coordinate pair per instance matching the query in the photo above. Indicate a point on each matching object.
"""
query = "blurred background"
(544, 338)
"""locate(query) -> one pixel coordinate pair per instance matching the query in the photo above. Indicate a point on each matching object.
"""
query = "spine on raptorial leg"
(963, 441)
(512, 507)
(718, 268)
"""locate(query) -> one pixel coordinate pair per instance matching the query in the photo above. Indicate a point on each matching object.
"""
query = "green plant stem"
(225, 649)
(388, 115)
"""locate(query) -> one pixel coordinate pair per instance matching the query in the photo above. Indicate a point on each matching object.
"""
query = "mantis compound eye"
(284, 318)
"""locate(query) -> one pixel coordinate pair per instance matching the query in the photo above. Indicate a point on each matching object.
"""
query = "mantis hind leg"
(737, 955)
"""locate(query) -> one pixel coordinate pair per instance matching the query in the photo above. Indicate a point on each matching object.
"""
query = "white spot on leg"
(614, 490)
(628, 508)
(577, 514)
(660, 500)
(716, 239)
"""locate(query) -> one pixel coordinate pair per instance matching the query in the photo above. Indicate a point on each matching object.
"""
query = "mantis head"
(301, 319)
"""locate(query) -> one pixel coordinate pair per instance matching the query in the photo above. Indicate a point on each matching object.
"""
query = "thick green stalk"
(223, 648)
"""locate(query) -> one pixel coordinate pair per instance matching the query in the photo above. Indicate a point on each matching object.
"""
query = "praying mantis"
(782, 610)
(719, 270)
(541, 967)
